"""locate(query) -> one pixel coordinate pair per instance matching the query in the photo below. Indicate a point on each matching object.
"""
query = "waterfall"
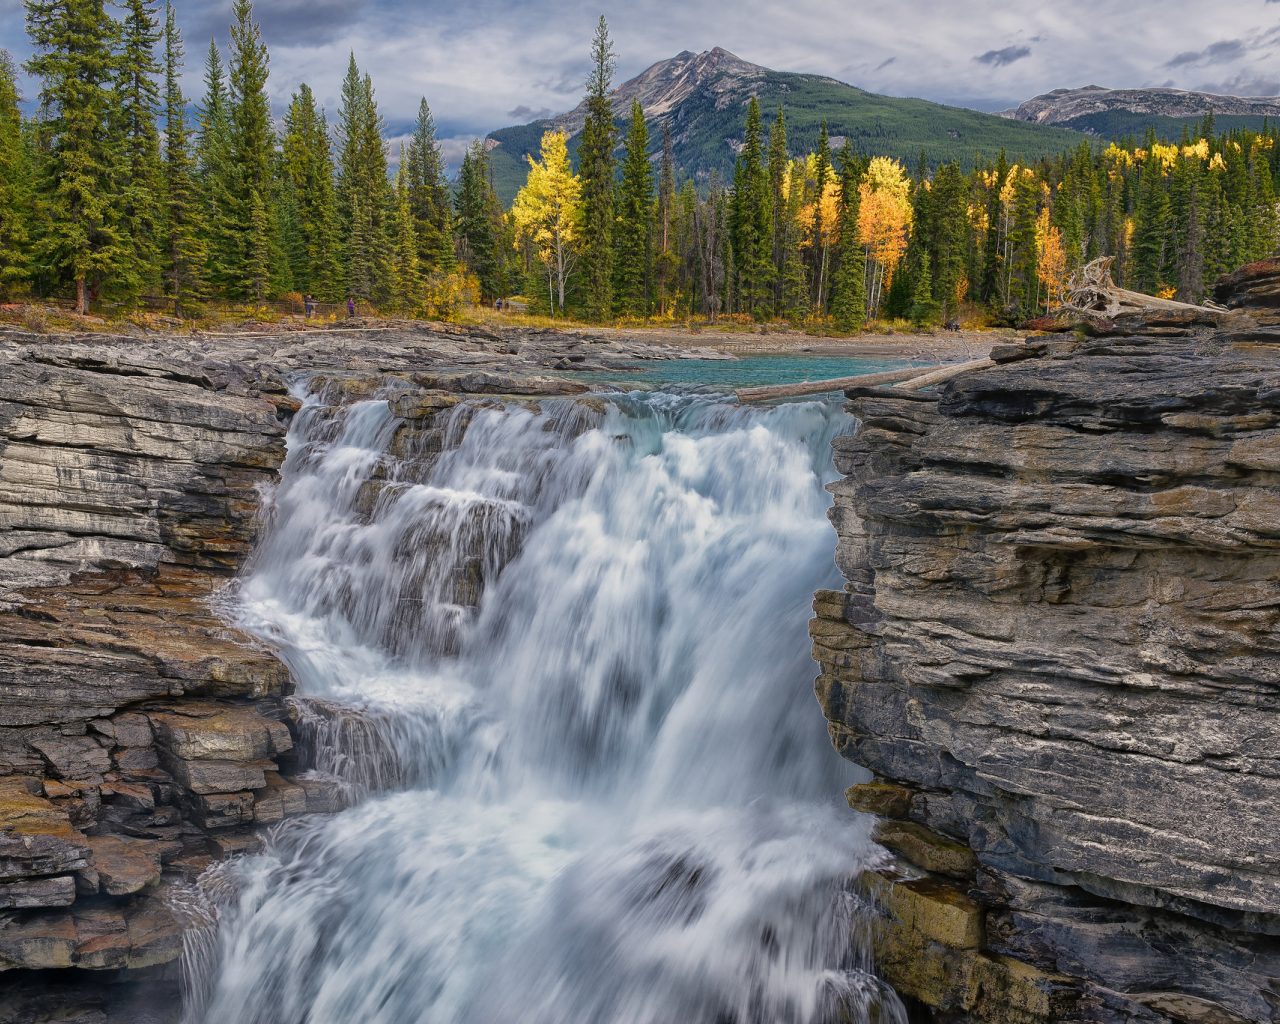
(557, 652)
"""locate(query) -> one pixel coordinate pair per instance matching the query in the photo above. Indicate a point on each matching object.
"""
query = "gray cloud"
(1001, 58)
(524, 114)
(1247, 83)
(479, 60)
(1215, 53)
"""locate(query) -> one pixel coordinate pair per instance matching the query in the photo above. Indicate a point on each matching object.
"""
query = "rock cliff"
(1057, 652)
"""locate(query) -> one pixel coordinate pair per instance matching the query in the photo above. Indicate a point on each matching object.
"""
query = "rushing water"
(606, 794)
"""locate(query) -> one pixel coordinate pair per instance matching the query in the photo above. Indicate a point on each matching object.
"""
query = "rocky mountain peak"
(1062, 106)
(661, 87)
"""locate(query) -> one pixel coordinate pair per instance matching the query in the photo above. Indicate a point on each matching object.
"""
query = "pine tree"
(139, 104)
(668, 259)
(217, 178)
(947, 246)
(990, 287)
(632, 259)
(475, 229)
(362, 189)
(848, 284)
(308, 166)
(821, 255)
(752, 219)
(407, 285)
(79, 193)
(1151, 222)
(596, 169)
(429, 194)
(15, 182)
(184, 249)
(783, 242)
(252, 152)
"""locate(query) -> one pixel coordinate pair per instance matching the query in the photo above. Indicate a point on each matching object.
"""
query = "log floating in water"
(818, 387)
(911, 379)
(946, 373)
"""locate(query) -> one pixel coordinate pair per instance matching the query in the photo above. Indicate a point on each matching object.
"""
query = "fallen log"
(946, 373)
(818, 387)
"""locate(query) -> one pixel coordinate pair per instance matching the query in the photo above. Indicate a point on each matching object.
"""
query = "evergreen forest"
(120, 189)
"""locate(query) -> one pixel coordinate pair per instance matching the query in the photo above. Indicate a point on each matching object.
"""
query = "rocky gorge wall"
(1057, 652)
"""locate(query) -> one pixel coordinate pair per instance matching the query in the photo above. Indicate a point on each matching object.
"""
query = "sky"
(487, 64)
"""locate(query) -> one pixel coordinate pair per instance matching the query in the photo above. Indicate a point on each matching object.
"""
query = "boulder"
(1253, 286)
(36, 838)
(125, 865)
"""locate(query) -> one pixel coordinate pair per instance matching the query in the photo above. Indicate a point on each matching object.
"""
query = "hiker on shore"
(351, 306)
(309, 304)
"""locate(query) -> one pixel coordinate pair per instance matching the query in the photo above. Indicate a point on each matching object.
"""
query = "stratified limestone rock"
(1060, 634)
(59, 891)
(926, 849)
(36, 838)
(879, 798)
(1253, 286)
(125, 865)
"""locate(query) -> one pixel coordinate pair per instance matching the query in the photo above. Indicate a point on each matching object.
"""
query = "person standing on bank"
(309, 304)
(351, 306)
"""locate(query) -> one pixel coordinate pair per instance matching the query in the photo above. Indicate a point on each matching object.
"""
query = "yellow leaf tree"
(547, 211)
(884, 217)
(1051, 258)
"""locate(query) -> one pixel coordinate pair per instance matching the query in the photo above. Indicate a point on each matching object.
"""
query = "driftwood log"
(1091, 291)
(912, 379)
(945, 373)
(818, 387)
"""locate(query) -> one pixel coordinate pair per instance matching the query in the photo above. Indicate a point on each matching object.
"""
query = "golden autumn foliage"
(546, 210)
(1051, 258)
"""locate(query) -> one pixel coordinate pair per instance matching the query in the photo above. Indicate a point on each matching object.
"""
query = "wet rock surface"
(1058, 649)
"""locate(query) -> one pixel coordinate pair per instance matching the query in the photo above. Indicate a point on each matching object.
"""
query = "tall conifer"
(848, 286)
(308, 165)
(633, 255)
(77, 62)
(252, 150)
(15, 182)
(184, 249)
(595, 162)
(429, 194)
(139, 104)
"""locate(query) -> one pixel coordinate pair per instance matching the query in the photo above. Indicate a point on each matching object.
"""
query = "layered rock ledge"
(1057, 651)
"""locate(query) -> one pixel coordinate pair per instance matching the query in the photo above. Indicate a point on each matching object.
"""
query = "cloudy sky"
(486, 64)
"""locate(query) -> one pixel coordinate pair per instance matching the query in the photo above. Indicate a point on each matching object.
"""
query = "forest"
(117, 189)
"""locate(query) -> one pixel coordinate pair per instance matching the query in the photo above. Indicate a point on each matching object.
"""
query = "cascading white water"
(607, 795)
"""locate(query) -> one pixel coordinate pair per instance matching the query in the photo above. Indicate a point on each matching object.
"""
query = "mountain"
(1109, 112)
(704, 96)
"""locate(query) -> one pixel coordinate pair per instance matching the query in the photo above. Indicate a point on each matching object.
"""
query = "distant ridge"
(1099, 111)
(704, 98)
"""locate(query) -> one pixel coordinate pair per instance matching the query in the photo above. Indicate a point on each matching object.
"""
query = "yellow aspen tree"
(1051, 258)
(884, 218)
(548, 212)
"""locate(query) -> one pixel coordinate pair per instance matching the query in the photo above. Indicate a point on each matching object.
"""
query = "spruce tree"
(848, 284)
(782, 242)
(477, 238)
(596, 169)
(406, 285)
(752, 219)
(252, 151)
(668, 258)
(1151, 223)
(632, 258)
(308, 166)
(821, 255)
(79, 192)
(15, 182)
(429, 194)
(217, 175)
(950, 223)
(362, 189)
(139, 105)
(184, 248)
